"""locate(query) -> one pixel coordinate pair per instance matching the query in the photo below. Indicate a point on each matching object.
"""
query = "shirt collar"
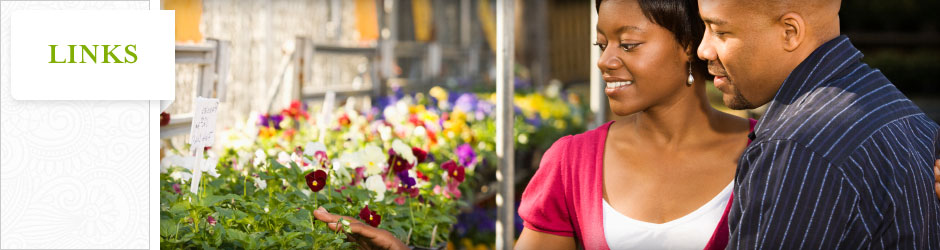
(826, 63)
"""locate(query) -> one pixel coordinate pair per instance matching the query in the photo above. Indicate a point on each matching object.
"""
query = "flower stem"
(412, 213)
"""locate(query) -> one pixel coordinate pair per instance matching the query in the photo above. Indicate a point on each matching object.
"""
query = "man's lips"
(720, 81)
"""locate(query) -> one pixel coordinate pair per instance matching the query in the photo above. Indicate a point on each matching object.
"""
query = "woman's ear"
(794, 31)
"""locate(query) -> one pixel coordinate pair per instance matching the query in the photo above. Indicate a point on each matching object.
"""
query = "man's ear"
(794, 27)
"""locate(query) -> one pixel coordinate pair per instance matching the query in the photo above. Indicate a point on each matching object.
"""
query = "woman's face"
(641, 62)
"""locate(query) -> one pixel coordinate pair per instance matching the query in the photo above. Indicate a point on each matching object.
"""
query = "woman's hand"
(936, 177)
(366, 236)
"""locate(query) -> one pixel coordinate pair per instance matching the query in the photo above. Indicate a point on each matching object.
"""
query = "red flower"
(420, 154)
(455, 171)
(432, 137)
(316, 180)
(344, 120)
(413, 119)
(211, 220)
(422, 176)
(295, 111)
(370, 217)
(289, 133)
(164, 119)
(397, 162)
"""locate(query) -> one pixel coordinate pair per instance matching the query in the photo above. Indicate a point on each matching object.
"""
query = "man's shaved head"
(821, 15)
(753, 45)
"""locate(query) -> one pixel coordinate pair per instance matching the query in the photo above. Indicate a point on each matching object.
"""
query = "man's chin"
(735, 102)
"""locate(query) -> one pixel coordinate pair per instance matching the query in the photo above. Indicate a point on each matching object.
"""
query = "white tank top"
(691, 231)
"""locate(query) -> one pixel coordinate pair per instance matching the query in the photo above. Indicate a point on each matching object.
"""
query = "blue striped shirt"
(840, 160)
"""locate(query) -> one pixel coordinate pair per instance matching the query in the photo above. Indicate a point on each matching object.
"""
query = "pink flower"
(211, 220)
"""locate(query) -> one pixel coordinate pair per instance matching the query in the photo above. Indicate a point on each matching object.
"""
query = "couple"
(841, 159)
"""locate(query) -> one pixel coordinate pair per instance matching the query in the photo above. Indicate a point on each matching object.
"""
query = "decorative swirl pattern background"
(73, 174)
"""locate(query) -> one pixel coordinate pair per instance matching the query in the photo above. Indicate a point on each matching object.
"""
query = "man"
(841, 159)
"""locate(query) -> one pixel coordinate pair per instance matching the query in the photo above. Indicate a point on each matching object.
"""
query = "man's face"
(743, 49)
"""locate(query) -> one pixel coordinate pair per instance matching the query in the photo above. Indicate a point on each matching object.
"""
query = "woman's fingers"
(322, 215)
(936, 176)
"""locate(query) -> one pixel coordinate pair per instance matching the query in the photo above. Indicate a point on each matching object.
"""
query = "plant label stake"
(325, 116)
(201, 134)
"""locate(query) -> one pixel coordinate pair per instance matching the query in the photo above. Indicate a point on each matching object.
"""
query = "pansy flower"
(164, 119)
(406, 179)
(370, 217)
(316, 180)
(419, 154)
(344, 120)
(317, 151)
(467, 156)
(454, 171)
(271, 121)
(373, 159)
(295, 111)
(376, 184)
(397, 162)
(211, 220)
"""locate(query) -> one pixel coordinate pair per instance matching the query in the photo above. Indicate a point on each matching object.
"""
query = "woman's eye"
(628, 46)
(601, 46)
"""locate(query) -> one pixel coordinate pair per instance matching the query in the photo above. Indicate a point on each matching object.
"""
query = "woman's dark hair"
(681, 18)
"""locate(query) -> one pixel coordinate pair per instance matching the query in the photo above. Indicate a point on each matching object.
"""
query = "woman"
(660, 175)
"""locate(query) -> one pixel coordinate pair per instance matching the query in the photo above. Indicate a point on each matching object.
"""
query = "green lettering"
(110, 53)
(71, 53)
(91, 53)
(52, 59)
(130, 52)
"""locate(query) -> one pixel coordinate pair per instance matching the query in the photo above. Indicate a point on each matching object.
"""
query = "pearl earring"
(691, 79)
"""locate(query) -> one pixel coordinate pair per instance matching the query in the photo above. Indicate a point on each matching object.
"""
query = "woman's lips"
(615, 86)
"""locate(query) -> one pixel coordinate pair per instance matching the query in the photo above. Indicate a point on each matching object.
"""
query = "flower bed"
(407, 167)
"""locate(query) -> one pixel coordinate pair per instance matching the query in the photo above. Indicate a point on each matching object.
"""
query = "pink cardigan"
(564, 197)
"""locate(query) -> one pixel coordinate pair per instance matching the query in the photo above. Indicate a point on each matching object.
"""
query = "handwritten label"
(202, 132)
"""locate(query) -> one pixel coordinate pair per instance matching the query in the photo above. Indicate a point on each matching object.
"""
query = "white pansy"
(373, 159)
(171, 161)
(242, 157)
(348, 161)
(295, 158)
(283, 158)
(181, 176)
(261, 184)
(313, 147)
(404, 151)
(385, 132)
(260, 158)
(391, 115)
(209, 166)
(375, 184)
(420, 131)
